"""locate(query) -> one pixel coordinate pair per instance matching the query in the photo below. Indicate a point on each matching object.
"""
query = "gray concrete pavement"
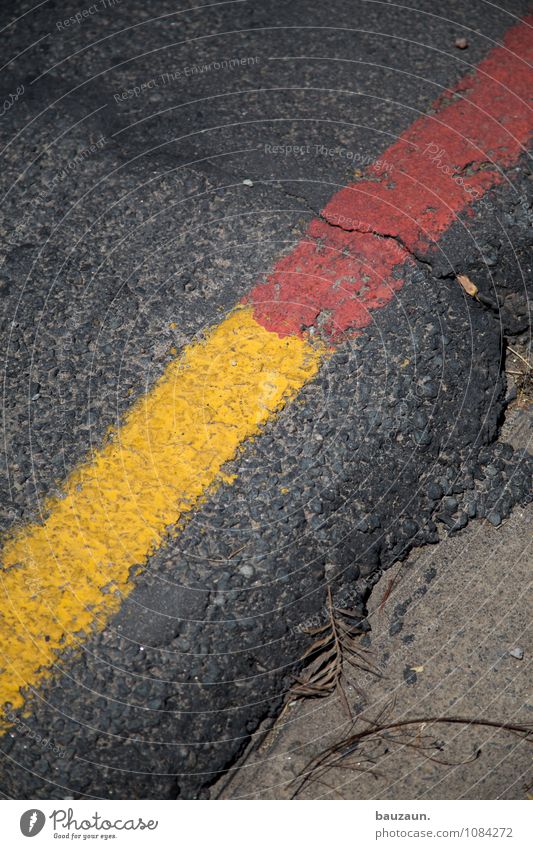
(455, 614)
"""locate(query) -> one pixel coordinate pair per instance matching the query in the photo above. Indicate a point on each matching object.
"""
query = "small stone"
(446, 519)
(517, 652)
(362, 526)
(434, 491)
(461, 43)
(471, 509)
(429, 390)
(409, 675)
(494, 518)
(247, 182)
(461, 521)
(450, 504)
(247, 571)
(422, 437)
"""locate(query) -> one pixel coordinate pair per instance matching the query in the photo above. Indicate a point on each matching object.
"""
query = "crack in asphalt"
(363, 230)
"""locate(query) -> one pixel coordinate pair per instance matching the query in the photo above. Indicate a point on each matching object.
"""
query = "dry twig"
(336, 641)
(338, 755)
(520, 357)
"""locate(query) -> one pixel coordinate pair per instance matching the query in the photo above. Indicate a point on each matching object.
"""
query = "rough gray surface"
(390, 447)
(462, 625)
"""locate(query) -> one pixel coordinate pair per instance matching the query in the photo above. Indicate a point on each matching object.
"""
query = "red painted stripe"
(438, 167)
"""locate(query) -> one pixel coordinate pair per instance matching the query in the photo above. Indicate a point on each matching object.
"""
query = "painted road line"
(437, 169)
(67, 576)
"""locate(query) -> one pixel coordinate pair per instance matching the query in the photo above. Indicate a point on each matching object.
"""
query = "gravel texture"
(115, 260)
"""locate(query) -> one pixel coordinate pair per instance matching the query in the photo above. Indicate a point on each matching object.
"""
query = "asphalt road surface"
(170, 526)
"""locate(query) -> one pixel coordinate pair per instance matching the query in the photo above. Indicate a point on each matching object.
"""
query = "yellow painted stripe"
(65, 577)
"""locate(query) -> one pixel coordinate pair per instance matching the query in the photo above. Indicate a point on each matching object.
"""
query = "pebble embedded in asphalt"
(517, 652)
